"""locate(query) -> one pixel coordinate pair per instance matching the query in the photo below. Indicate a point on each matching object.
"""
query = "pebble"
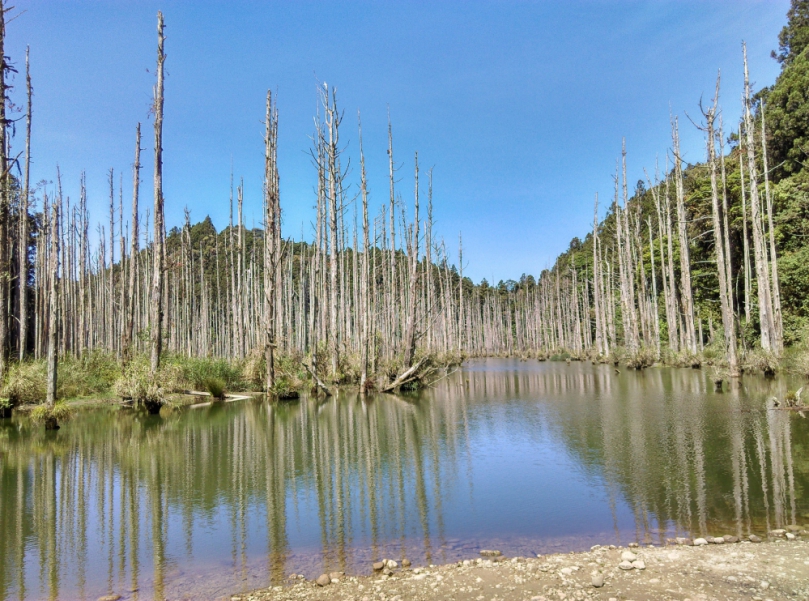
(566, 571)
(323, 580)
(598, 581)
(406, 563)
(628, 556)
(378, 565)
(790, 536)
(419, 577)
(718, 540)
(639, 565)
(626, 565)
(699, 542)
(392, 564)
(764, 585)
(731, 539)
(754, 539)
(683, 541)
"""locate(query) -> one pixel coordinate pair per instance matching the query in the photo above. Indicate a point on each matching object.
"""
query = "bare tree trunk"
(5, 167)
(23, 252)
(778, 321)
(410, 325)
(133, 252)
(53, 306)
(719, 243)
(685, 255)
(156, 317)
(745, 235)
(759, 248)
(365, 306)
(596, 282)
(271, 241)
(333, 119)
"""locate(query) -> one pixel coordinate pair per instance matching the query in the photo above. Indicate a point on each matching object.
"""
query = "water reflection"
(524, 456)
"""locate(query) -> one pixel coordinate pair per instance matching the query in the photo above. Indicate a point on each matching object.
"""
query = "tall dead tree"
(156, 306)
(601, 345)
(765, 312)
(365, 295)
(778, 321)
(686, 293)
(271, 239)
(24, 217)
(410, 324)
(53, 312)
(722, 253)
(129, 331)
(5, 201)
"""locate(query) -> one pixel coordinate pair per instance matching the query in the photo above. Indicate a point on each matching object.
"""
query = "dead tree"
(271, 238)
(722, 253)
(53, 314)
(23, 242)
(129, 331)
(156, 308)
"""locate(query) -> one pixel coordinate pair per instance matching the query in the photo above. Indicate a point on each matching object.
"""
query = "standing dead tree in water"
(24, 217)
(365, 291)
(133, 251)
(158, 265)
(689, 341)
(765, 308)
(5, 200)
(721, 251)
(272, 239)
(53, 314)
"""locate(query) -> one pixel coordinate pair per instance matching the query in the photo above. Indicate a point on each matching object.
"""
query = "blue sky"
(519, 106)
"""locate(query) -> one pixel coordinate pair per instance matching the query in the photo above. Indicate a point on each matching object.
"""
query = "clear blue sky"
(519, 106)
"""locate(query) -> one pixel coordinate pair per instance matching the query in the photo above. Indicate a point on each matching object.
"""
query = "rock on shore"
(777, 569)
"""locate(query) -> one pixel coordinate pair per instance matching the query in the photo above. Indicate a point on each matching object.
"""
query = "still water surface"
(525, 457)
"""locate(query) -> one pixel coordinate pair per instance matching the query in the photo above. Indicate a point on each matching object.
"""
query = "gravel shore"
(699, 570)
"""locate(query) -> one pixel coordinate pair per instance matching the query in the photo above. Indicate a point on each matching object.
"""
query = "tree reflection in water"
(523, 455)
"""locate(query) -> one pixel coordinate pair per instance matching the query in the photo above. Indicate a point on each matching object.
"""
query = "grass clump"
(26, 383)
(762, 361)
(641, 359)
(215, 387)
(195, 372)
(51, 416)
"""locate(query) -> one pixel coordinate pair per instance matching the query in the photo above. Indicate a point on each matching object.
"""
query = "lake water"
(521, 456)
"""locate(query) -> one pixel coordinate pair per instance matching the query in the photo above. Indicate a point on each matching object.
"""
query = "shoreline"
(698, 570)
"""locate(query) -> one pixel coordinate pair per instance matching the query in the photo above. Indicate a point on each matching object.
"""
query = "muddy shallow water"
(525, 457)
